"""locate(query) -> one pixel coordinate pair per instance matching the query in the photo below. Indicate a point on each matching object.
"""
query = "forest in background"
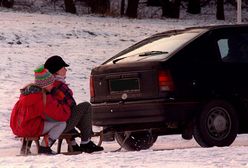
(125, 8)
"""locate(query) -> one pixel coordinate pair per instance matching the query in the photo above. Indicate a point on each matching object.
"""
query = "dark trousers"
(81, 119)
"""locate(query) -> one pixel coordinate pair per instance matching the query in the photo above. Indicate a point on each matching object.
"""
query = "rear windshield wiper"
(118, 59)
(149, 53)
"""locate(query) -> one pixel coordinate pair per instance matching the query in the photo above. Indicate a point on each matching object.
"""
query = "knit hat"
(55, 63)
(43, 77)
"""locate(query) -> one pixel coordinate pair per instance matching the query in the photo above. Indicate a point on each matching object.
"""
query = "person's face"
(49, 87)
(61, 72)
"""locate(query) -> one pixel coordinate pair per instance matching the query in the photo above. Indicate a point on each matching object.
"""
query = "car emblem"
(100, 83)
(124, 96)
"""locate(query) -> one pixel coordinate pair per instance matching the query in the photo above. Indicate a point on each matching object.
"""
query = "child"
(38, 113)
(80, 114)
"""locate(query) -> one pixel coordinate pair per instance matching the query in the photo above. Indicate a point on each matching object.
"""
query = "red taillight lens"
(92, 91)
(165, 81)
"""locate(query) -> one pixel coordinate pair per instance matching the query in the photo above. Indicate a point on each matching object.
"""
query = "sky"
(84, 42)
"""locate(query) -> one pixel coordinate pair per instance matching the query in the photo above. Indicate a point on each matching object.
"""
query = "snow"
(28, 39)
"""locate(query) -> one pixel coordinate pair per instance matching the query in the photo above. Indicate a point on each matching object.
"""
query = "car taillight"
(92, 91)
(165, 81)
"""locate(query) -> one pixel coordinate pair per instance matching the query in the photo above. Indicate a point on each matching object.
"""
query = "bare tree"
(132, 8)
(70, 6)
(220, 10)
(194, 7)
(122, 7)
(7, 3)
(100, 6)
(171, 8)
(154, 2)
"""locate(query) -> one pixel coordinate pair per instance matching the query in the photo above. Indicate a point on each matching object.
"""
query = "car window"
(234, 48)
(167, 44)
(160, 48)
(201, 50)
(223, 47)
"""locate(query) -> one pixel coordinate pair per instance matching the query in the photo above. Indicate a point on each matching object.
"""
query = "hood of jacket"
(31, 95)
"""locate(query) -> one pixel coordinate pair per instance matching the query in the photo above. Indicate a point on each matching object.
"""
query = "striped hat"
(43, 77)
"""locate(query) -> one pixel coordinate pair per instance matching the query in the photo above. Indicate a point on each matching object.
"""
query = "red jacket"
(28, 114)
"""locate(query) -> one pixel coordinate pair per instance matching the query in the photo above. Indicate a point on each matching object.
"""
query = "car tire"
(216, 125)
(136, 141)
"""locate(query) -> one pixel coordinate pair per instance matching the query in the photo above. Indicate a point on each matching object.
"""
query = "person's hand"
(58, 95)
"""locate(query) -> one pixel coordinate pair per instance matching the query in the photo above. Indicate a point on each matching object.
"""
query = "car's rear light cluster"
(92, 90)
(165, 81)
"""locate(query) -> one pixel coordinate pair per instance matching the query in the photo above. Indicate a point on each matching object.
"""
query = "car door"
(194, 69)
(232, 44)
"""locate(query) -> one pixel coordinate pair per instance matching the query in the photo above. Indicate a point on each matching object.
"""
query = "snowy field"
(27, 40)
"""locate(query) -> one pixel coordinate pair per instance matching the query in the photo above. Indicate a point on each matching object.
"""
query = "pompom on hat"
(43, 77)
(55, 63)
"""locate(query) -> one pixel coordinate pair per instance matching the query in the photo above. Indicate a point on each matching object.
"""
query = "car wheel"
(216, 125)
(136, 140)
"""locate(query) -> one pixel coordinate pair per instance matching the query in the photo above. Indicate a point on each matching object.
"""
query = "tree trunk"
(154, 3)
(194, 7)
(122, 7)
(132, 8)
(70, 6)
(100, 6)
(7, 3)
(220, 10)
(171, 9)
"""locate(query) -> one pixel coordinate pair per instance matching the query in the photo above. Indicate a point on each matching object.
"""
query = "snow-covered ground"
(27, 40)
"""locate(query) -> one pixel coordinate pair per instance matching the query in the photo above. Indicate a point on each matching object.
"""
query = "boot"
(46, 150)
(45, 147)
(90, 147)
(75, 148)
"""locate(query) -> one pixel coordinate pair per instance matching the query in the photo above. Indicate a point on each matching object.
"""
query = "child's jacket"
(32, 108)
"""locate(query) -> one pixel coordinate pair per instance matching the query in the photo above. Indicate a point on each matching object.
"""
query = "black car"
(192, 82)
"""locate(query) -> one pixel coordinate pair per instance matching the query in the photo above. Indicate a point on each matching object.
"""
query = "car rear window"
(156, 48)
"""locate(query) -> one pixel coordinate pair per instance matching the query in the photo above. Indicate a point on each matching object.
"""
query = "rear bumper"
(138, 112)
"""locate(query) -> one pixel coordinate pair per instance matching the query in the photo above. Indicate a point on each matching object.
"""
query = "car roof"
(199, 29)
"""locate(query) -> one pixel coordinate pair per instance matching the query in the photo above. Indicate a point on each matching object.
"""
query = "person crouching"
(38, 113)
